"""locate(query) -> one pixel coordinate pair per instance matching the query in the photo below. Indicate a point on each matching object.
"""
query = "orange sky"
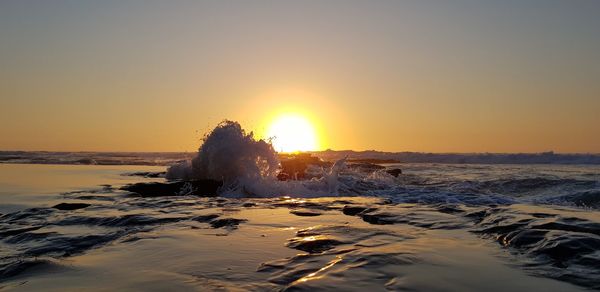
(394, 76)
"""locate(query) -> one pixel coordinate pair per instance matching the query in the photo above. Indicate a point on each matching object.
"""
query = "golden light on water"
(291, 133)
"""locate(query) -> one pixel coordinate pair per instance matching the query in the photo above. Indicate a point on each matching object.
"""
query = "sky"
(433, 76)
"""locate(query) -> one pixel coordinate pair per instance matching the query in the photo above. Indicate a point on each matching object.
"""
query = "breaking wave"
(228, 153)
(249, 167)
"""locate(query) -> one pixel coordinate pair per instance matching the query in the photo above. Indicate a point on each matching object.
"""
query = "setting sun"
(290, 133)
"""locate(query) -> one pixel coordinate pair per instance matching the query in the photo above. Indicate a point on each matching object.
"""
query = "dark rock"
(477, 215)
(226, 222)
(202, 188)
(154, 189)
(205, 218)
(379, 219)
(148, 174)
(314, 245)
(449, 209)
(282, 176)
(305, 213)
(71, 206)
(293, 166)
(387, 201)
(354, 210)
(394, 171)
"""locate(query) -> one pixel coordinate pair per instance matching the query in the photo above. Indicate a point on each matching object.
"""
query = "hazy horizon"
(421, 76)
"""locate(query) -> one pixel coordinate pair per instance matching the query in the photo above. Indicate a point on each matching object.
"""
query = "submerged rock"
(226, 222)
(202, 188)
(205, 218)
(313, 244)
(354, 210)
(394, 171)
(70, 206)
(379, 219)
(305, 213)
(148, 174)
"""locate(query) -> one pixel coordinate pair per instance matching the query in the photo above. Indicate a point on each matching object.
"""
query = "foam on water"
(249, 166)
(230, 154)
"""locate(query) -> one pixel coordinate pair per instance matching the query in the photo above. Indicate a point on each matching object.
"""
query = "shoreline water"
(442, 241)
(333, 251)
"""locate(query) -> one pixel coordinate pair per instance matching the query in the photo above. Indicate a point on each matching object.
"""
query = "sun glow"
(291, 133)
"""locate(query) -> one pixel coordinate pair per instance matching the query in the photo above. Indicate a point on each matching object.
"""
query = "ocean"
(434, 227)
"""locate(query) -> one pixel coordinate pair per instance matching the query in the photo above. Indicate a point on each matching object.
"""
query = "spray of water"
(229, 154)
(248, 167)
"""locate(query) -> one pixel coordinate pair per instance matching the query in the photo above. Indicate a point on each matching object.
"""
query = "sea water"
(496, 221)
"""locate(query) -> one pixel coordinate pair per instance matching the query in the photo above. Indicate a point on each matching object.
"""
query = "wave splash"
(248, 166)
(228, 153)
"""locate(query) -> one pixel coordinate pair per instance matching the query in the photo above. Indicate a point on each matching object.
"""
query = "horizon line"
(317, 151)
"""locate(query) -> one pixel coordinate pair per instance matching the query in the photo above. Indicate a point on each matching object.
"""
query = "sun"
(292, 133)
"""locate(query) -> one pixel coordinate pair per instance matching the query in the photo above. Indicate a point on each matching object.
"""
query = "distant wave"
(464, 158)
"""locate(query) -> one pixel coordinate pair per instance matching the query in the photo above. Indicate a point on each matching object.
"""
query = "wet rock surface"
(148, 174)
(226, 222)
(313, 244)
(394, 172)
(70, 206)
(201, 188)
(354, 210)
(305, 213)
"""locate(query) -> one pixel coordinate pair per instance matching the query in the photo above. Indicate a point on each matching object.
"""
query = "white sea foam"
(248, 168)
(228, 153)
